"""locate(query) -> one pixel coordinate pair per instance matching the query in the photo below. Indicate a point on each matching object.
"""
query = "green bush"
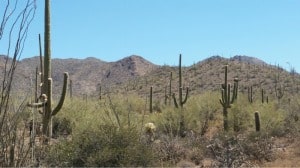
(106, 146)
(61, 126)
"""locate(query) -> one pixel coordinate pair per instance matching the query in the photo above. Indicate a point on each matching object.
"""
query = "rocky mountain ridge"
(136, 74)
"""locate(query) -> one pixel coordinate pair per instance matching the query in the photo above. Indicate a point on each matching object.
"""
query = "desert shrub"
(201, 111)
(197, 148)
(292, 114)
(167, 122)
(259, 146)
(271, 118)
(104, 133)
(106, 146)
(197, 113)
(240, 150)
(227, 151)
(169, 150)
(61, 126)
(240, 114)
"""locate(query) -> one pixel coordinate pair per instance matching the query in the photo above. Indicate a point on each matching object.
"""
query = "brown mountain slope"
(209, 75)
(86, 74)
(134, 74)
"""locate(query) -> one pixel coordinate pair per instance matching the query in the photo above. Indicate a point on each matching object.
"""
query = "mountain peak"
(137, 65)
(247, 59)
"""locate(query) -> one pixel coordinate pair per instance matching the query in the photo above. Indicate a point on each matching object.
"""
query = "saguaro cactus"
(257, 121)
(181, 101)
(46, 103)
(262, 96)
(71, 89)
(226, 100)
(250, 94)
(150, 98)
(168, 96)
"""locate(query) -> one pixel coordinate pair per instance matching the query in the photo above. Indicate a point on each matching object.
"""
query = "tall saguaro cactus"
(226, 99)
(46, 98)
(250, 94)
(181, 101)
(47, 87)
(257, 121)
(150, 100)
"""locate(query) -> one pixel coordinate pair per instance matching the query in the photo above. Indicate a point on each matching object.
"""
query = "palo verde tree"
(15, 20)
(46, 98)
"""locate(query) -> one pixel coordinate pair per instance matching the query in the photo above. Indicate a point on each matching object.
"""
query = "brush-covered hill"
(208, 75)
(134, 74)
(86, 74)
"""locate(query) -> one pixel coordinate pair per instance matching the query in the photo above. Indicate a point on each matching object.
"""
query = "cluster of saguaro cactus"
(226, 99)
(46, 91)
(181, 101)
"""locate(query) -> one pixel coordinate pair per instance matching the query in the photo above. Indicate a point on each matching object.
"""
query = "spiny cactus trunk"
(180, 83)
(47, 71)
(150, 104)
(46, 130)
(225, 119)
(47, 47)
(181, 101)
(170, 88)
(262, 96)
(257, 121)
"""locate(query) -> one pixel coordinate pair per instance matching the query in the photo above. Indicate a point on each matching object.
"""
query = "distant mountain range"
(134, 74)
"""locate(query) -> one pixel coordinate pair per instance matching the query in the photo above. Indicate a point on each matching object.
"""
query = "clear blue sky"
(159, 30)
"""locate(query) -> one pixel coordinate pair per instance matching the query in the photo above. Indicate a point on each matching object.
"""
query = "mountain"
(86, 74)
(134, 74)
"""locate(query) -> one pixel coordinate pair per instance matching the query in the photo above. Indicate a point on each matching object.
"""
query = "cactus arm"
(228, 95)
(36, 105)
(41, 59)
(186, 96)
(175, 102)
(63, 95)
(222, 100)
(235, 90)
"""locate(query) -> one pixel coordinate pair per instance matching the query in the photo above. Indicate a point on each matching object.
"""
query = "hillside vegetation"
(123, 124)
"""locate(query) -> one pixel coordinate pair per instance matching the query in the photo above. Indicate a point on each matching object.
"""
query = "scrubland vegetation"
(111, 132)
(197, 125)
